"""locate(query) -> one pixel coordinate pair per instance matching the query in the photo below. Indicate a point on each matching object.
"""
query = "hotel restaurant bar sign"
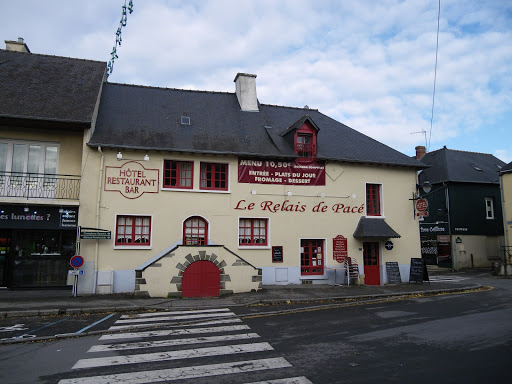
(280, 172)
(131, 179)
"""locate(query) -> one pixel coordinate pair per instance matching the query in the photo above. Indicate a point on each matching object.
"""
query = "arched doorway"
(201, 279)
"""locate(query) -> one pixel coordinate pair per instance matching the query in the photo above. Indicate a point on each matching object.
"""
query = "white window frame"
(381, 200)
(489, 208)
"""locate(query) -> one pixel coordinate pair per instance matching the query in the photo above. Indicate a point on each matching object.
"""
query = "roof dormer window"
(305, 141)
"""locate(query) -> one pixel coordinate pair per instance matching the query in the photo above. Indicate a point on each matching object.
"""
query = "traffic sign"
(76, 261)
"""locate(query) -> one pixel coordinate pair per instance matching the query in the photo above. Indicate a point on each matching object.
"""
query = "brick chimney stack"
(420, 152)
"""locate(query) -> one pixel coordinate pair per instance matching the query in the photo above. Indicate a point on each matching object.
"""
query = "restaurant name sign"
(131, 179)
(280, 172)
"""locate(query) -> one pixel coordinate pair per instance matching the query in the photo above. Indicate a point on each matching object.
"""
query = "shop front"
(436, 244)
(36, 244)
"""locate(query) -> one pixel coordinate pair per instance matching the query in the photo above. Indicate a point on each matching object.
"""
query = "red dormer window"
(305, 141)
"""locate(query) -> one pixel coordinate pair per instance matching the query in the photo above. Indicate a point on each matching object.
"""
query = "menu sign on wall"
(339, 248)
(280, 172)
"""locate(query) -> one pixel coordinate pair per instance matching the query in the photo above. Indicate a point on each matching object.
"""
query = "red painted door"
(371, 263)
(201, 279)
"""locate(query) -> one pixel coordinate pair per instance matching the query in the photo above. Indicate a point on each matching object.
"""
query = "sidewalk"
(16, 303)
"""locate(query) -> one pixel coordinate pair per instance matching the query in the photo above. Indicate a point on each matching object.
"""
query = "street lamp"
(427, 187)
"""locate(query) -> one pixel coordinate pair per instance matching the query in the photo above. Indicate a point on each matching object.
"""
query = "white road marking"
(288, 380)
(173, 355)
(223, 321)
(145, 377)
(172, 318)
(169, 332)
(182, 312)
(171, 343)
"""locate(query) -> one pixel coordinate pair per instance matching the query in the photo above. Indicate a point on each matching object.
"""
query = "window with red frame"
(305, 141)
(252, 232)
(195, 231)
(178, 174)
(214, 176)
(373, 200)
(311, 257)
(305, 146)
(133, 230)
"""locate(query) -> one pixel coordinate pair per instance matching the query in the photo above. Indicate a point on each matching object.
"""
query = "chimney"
(246, 92)
(420, 152)
(18, 46)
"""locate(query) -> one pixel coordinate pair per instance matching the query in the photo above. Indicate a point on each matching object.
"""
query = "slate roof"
(450, 165)
(507, 168)
(42, 87)
(148, 118)
(373, 228)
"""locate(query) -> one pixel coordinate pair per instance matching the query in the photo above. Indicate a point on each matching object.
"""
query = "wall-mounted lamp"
(426, 186)
(146, 157)
(289, 193)
(253, 191)
(322, 195)
(26, 209)
(119, 156)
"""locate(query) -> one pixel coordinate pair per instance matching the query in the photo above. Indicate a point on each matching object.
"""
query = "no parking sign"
(76, 261)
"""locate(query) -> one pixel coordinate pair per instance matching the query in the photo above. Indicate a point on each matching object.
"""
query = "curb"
(93, 310)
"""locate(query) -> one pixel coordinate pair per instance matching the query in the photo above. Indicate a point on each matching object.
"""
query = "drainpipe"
(98, 199)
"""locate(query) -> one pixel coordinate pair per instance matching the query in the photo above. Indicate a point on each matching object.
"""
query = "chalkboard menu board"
(277, 254)
(393, 273)
(418, 272)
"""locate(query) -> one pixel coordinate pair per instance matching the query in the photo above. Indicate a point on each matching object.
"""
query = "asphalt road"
(456, 338)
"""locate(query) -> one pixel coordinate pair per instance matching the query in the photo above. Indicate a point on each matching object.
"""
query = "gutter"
(98, 200)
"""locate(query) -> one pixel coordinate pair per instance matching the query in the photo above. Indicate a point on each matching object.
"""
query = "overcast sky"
(368, 63)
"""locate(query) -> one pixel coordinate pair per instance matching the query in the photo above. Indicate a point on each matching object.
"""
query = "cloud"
(367, 64)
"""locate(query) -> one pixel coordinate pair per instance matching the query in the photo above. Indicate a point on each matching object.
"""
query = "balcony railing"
(307, 150)
(39, 186)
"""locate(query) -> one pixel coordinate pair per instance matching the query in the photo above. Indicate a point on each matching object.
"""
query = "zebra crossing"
(208, 344)
(446, 278)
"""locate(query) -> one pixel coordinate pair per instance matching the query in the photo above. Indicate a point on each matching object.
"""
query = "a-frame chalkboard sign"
(418, 272)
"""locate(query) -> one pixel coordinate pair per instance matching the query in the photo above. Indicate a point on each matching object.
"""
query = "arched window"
(195, 231)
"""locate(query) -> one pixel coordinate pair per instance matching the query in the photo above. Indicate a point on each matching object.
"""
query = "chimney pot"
(246, 92)
(420, 152)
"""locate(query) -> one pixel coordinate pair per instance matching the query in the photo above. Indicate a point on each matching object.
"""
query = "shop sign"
(422, 208)
(285, 206)
(389, 245)
(38, 217)
(280, 172)
(339, 248)
(443, 238)
(131, 179)
(435, 229)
